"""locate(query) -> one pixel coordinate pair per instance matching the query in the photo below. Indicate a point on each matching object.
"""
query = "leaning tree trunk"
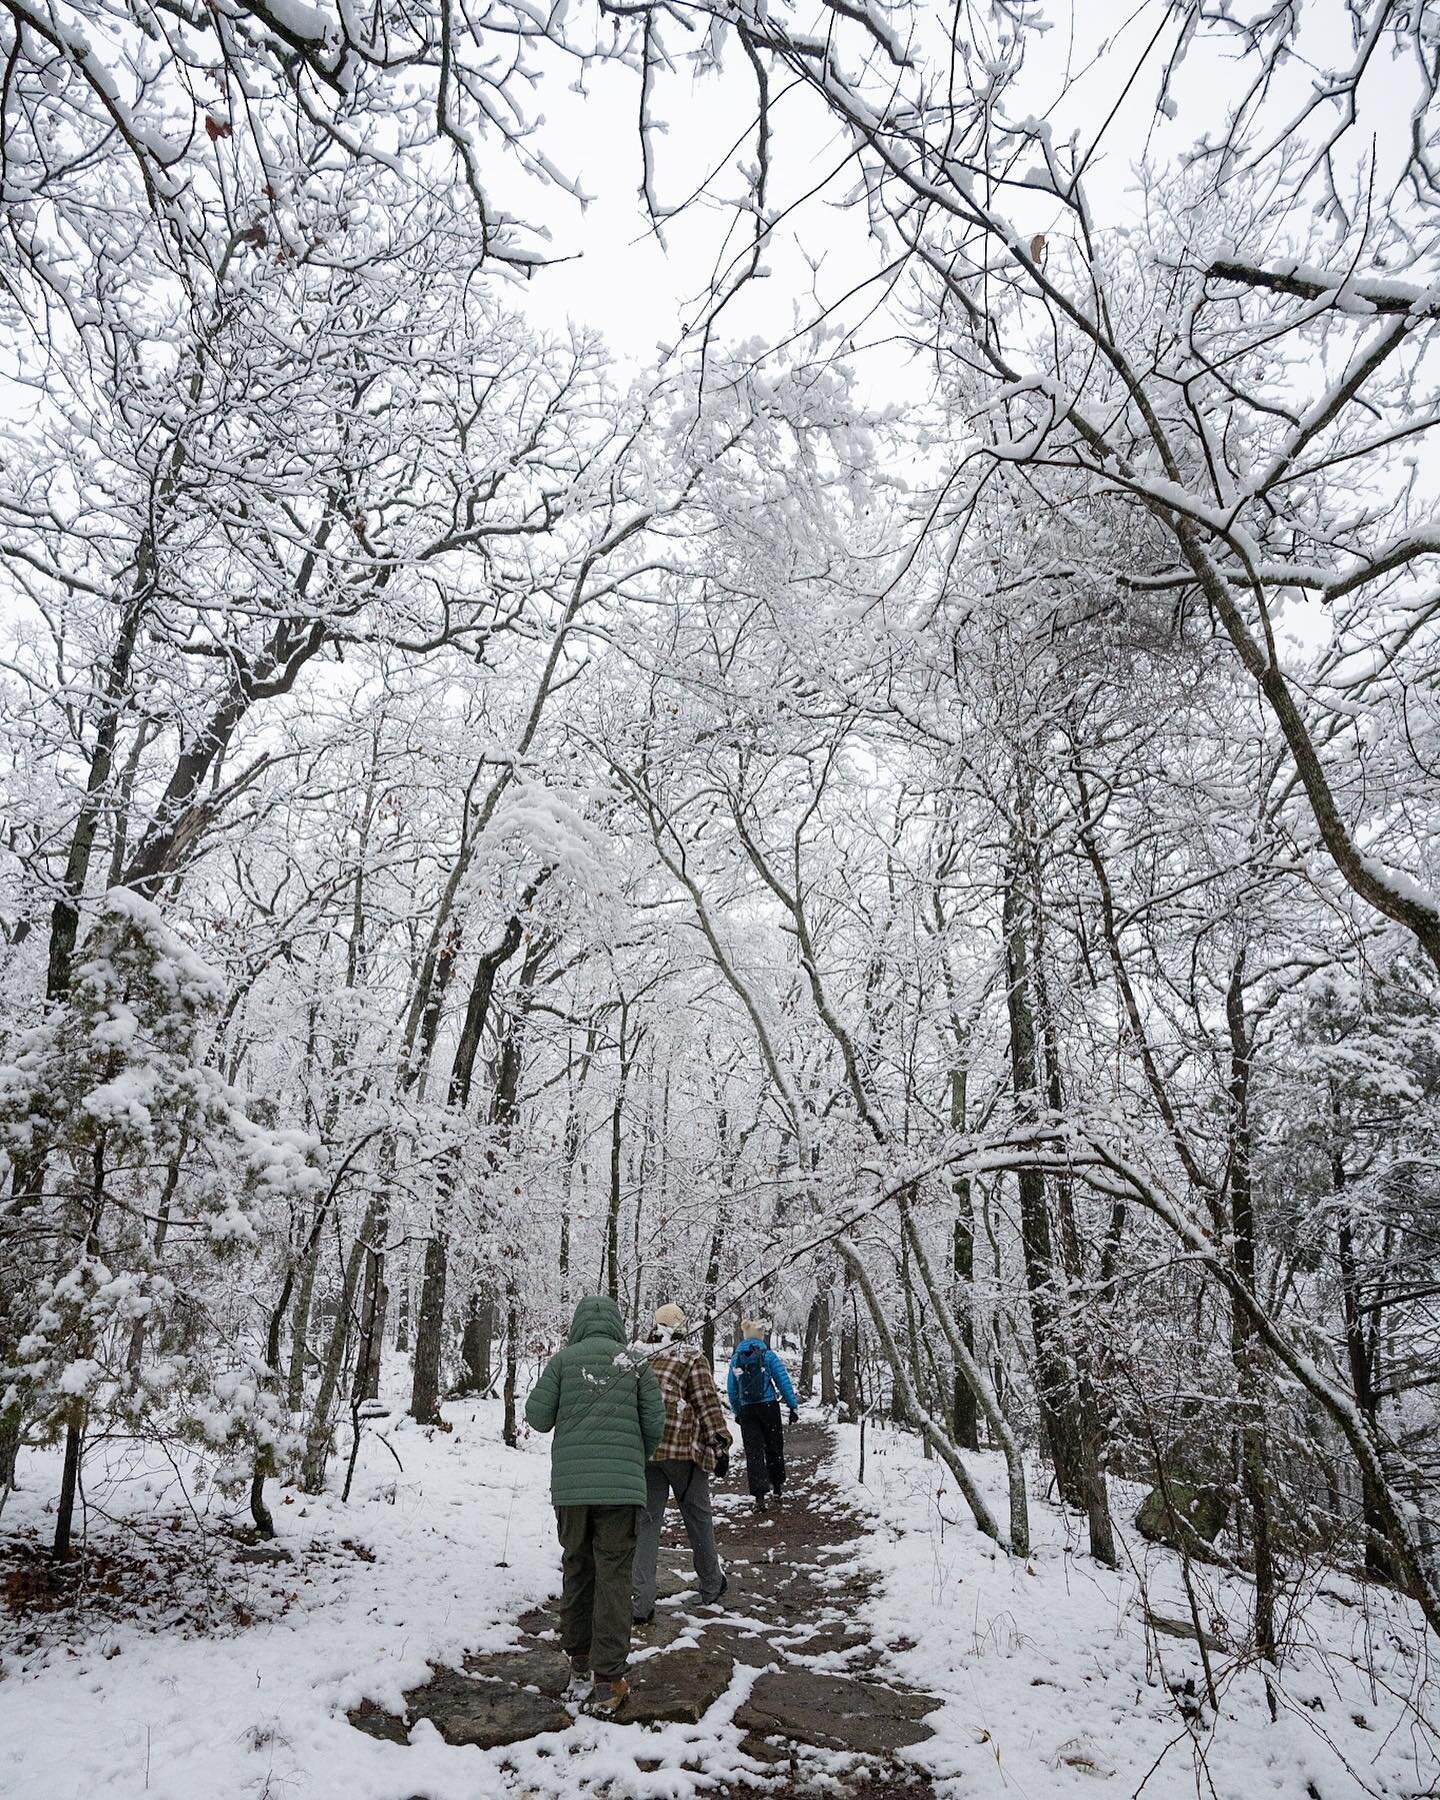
(977, 1384)
(322, 1423)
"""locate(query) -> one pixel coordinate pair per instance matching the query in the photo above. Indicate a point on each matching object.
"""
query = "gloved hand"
(794, 1416)
(722, 1464)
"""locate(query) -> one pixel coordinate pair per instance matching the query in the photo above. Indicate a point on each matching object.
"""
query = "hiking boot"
(606, 1699)
(761, 1503)
(580, 1683)
(719, 1593)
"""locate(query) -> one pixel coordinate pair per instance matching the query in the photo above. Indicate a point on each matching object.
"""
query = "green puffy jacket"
(603, 1403)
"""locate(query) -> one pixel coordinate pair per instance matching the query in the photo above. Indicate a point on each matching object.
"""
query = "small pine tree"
(145, 1175)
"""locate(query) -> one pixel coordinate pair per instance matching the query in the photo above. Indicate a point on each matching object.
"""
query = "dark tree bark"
(136, 1349)
(69, 1483)
(827, 1353)
(430, 1329)
(317, 1439)
(849, 1392)
(1090, 1428)
(965, 1408)
(806, 1383)
(1362, 1346)
(612, 1215)
(1054, 1394)
(477, 1345)
(575, 1084)
(512, 1360)
(1246, 1348)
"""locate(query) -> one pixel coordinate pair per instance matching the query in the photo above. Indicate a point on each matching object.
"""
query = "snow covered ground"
(260, 1710)
(1053, 1683)
(1049, 1680)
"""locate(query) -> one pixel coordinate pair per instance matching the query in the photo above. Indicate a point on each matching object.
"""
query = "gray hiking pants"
(690, 1485)
(596, 1545)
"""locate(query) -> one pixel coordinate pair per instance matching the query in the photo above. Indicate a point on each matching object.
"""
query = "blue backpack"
(750, 1372)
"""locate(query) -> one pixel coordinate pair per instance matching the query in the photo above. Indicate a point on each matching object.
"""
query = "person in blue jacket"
(756, 1385)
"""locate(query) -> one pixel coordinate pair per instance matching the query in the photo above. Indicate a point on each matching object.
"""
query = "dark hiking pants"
(690, 1485)
(764, 1438)
(597, 1545)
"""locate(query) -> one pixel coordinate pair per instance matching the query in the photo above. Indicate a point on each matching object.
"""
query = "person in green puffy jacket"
(603, 1404)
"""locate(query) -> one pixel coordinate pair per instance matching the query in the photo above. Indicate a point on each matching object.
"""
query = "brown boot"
(607, 1698)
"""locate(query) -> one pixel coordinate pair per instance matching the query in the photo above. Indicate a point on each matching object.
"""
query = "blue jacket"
(777, 1382)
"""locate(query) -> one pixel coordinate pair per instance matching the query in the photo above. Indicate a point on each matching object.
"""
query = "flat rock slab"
(748, 1647)
(543, 1668)
(679, 1687)
(662, 1631)
(375, 1722)
(465, 1709)
(834, 1712)
(832, 1640)
(540, 1619)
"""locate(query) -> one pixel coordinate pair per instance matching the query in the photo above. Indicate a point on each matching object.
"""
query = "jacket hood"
(597, 1316)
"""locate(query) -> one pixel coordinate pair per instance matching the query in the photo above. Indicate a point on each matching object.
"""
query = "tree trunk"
(962, 1263)
(477, 1345)
(849, 1353)
(69, 1482)
(712, 1283)
(429, 1332)
(912, 1335)
(1055, 1398)
(612, 1217)
(136, 1350)
(1246, 1349)
(1360, 1351)
(985, 1394)
(402, 1306)
(1090, 1447)
(512, 1360)
(806, 1382)
(915, 1410)
(300, 1328)
(317, 1439)
(372, 1325)
(827, 1353)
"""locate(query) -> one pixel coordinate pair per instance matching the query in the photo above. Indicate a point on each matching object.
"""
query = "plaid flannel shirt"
(695, 1424)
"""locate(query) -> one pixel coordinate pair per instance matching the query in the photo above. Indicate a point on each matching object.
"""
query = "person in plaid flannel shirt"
(695, 1444)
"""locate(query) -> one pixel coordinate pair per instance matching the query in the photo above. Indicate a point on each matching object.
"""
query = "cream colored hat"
(669, 1318)
(752, 1328)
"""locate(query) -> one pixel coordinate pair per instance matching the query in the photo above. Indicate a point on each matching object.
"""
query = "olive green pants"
(597, 1548)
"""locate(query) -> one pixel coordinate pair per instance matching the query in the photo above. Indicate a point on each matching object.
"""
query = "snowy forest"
(784, 657)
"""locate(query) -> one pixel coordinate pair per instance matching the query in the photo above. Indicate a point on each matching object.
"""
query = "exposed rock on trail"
(786, 1653)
